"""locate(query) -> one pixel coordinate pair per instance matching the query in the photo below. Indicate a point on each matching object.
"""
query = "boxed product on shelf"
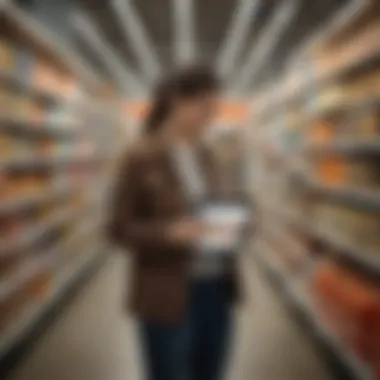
(321, 131)
(350, 305)
(330, 170)
(339, 171)
(21, 184)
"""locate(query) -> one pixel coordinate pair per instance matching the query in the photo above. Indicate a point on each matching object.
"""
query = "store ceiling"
(212, 19)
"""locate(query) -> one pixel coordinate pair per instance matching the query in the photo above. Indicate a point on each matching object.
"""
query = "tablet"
(225, 222)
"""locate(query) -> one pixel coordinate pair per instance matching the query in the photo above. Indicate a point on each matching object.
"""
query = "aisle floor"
(94, 340)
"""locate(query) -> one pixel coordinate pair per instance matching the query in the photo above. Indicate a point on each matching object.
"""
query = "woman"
(181, 297)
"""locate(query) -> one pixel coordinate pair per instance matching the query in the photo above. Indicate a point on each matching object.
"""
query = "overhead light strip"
(52, 42)
(237, 33)
(282, 17)
(123, 76)
(343, 17)
(184, 39)
(136, 34)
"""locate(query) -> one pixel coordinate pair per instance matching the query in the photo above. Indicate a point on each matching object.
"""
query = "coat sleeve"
(128, 227)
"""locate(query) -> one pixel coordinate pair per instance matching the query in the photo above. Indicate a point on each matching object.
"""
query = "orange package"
(331, 170)
(321, 132)
(352, 307)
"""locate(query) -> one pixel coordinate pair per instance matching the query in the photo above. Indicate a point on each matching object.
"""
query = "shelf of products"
(361, 52)
(345, 147)
(10, 80)
(317, 146)
(57, 130)
(301, 300)
(56, 155)
(38, 308)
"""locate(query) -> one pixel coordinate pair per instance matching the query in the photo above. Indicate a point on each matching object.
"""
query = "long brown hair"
(188, 83)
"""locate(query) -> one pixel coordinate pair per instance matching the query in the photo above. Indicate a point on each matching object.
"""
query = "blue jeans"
(196, 348)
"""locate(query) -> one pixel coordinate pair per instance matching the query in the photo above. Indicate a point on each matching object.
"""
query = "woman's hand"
(185, 230)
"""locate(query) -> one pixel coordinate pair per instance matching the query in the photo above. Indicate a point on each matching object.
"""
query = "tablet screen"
(224, 223)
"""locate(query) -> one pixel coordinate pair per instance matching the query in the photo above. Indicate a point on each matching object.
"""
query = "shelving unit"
(286, 286)
(316, 152)
(56, 154)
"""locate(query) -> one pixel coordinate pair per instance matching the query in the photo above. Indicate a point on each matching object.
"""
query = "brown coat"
(148, 197)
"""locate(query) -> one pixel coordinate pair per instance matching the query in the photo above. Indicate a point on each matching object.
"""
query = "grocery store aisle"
(94, 340)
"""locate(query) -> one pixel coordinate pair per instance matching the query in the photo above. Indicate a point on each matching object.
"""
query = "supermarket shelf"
(48, 42)
(19, 203)
(353, 105)
(340, 22)
(347, 22)
(357, 198)
(348, 147)
(284, 94)
(36, 232)
(44, 128)
(344, 69)
(365, 261)
(26, 330)
(14, 205)
(347, 361)
(47, 260)
(10, 283)
(34, 160)
(13, 80)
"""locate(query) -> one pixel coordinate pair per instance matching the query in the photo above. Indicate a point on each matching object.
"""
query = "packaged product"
(322, 131)
(331, 170)
(350, 306)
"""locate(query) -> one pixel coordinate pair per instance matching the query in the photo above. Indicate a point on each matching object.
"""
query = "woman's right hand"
(185, 230)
